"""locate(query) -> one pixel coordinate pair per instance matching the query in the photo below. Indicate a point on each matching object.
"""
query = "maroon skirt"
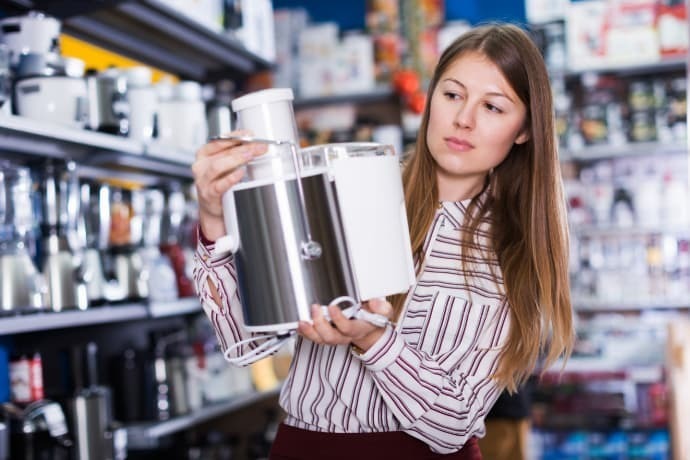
(296, 444)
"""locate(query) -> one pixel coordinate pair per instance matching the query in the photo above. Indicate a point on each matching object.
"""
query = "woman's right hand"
(217, 168)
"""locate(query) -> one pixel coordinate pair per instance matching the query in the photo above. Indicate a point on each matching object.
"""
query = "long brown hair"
(525, 201)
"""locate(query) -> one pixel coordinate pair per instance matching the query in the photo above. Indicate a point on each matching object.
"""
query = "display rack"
(619, 232)
(599, 306)
(34, 322)
(36, 139)
(378, 94)
(147, 435)
(604, 151)
(42, 321)
(156, 34)
(668, 64)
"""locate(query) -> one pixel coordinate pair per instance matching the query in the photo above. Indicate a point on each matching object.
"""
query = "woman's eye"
(452, 96)
(493, 108)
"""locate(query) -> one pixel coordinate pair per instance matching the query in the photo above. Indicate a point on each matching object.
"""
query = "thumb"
(381, 306)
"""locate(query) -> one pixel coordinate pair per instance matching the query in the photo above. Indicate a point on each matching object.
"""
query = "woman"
(488, 229)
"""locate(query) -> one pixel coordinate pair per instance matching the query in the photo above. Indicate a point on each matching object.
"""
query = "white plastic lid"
(265, 96)
(164, 89)
(188, 91)
(139, 76)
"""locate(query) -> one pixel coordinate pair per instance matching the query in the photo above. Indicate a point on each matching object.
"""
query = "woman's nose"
(464, 118)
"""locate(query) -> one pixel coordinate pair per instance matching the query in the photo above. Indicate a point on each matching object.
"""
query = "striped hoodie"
(429, 375)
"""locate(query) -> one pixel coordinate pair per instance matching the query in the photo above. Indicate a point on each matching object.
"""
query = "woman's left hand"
(342, 330)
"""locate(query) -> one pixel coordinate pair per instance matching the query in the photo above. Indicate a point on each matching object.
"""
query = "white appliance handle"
(230, 242)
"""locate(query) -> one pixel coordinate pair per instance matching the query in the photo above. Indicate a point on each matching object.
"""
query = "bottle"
(20, 379)
(36, 377)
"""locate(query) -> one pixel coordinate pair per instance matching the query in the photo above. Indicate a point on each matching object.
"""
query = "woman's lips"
(458, 145)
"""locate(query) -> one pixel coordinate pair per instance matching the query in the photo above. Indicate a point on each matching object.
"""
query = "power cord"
(272, 342)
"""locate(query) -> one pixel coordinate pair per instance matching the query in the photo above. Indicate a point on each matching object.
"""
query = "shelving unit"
(600, 306)
(600, 152)
(637, 230)
(35, 322)
(625, 68)
(41, 321)
(580, 369)
(156, 34)
(33, 139)
(147, 435)
(628, 282)
(377, 95)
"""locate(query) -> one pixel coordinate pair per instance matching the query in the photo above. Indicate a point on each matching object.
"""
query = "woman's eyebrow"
(490, 93)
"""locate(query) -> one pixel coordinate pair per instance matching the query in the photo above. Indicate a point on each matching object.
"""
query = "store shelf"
(146, 435)
(179, 307)
(33, 322)
(588, 369)
(36, 139)
(41, 321)
(637, 68)
(156, 34)
(598, 152)
(379, 94)
(600, 306)
(627, 232)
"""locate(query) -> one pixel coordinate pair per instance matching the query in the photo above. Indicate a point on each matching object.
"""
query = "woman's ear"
(522, 137)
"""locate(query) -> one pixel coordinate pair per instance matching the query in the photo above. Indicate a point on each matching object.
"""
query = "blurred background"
(104, 351)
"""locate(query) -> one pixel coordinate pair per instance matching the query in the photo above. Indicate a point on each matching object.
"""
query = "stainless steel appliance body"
(94, 233)
(97, 437)
(277, 284)
(323, 225)
(64, 276)
(62, 257)
(22, 287)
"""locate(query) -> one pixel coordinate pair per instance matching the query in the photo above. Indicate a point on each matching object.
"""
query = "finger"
(341, 322)
(307, 331)
(209, 191)
(325, 329)
(216, 145)
(212, 168)
(225, 183)
(380, 306)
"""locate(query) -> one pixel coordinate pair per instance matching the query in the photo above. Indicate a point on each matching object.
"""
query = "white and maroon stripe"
(430, 376)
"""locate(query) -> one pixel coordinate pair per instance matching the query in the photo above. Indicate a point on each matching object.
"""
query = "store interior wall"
(350, 15)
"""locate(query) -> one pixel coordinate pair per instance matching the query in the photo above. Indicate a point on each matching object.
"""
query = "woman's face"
(475, 118)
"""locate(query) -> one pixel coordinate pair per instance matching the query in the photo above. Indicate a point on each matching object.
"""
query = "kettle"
(325, 224)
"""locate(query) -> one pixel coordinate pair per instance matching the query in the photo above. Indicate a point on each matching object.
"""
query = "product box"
(317, 46)
(672, 24)
(605, 34)
(354, 65)
(541, 11)
(288, 25)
